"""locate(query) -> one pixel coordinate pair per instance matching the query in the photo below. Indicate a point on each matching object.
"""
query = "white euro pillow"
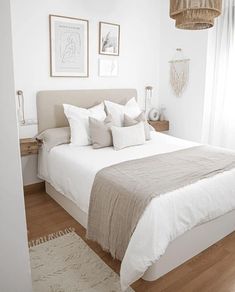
(79, 122)
(117, 111)
(128, 136)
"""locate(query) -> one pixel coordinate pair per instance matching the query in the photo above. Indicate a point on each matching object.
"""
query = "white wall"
(139, 51)
(185, 113)
(148, 41)
(138, 61)
(14, 257)
(29, 169)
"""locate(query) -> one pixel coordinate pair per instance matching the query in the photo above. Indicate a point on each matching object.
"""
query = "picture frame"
(69, 46)
(108, 67)
(109, 39)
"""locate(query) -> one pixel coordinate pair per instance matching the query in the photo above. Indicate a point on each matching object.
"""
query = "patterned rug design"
(63, 262)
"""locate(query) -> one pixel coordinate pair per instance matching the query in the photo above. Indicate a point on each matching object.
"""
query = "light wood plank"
(29, 146)
(34, 188)
(160, 126)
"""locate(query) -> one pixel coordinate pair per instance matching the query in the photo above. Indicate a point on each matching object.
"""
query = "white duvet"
(71, 170)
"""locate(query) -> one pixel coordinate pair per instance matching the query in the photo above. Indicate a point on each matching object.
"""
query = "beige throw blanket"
(121, 192)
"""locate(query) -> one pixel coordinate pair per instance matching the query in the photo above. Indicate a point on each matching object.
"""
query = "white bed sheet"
(71, 171)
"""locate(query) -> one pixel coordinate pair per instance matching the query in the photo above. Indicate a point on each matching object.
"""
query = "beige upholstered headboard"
(50, 103)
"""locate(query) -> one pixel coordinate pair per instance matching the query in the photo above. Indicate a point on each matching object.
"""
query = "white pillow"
(79, 122)
(128, 136)
(117, 111)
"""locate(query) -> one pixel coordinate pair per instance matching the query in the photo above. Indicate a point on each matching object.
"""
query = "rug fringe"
(50, 236)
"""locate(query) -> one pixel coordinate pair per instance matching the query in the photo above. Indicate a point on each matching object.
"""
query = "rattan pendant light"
(195, 14)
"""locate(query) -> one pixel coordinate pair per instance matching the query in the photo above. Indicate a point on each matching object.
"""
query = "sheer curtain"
(219, 113)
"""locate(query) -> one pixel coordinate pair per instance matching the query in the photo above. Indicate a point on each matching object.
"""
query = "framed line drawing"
(108, 67)
(69, 46)
(109, 39)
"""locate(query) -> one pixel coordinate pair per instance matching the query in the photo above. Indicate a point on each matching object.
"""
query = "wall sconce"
(21, 116)
(148, 97)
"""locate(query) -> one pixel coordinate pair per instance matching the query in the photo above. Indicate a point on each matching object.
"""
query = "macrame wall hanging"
(179, 72)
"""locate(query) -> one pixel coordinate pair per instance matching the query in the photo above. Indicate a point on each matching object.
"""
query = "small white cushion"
(117, 111)
(128, 136)
(79, 122)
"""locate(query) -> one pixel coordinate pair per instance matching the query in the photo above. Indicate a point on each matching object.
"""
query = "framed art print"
(109, 39)
(69, 46)
(108, 67)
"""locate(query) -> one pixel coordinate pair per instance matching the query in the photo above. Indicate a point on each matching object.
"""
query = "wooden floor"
(213, 270)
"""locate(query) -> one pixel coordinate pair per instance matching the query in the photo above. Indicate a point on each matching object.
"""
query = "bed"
(195, 216)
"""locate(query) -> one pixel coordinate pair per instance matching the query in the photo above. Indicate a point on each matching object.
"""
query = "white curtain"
(219, 113)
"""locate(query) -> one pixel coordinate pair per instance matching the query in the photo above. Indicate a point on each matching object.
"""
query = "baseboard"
(34, 188)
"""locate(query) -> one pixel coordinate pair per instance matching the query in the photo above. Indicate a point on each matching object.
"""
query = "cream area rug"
(63, 262)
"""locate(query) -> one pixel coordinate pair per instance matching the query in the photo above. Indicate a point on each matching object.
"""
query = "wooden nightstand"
(160, 126)
(29, 146)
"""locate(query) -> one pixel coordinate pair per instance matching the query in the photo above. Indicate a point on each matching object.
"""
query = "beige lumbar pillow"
(100, 132)
(54, 137)
(128, 121)
(128, 136)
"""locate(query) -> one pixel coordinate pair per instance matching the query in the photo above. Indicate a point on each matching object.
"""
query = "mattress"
(71, 171)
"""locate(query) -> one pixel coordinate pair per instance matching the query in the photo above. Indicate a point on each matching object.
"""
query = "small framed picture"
(108, 67)
(109, 39)
(69, 47)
